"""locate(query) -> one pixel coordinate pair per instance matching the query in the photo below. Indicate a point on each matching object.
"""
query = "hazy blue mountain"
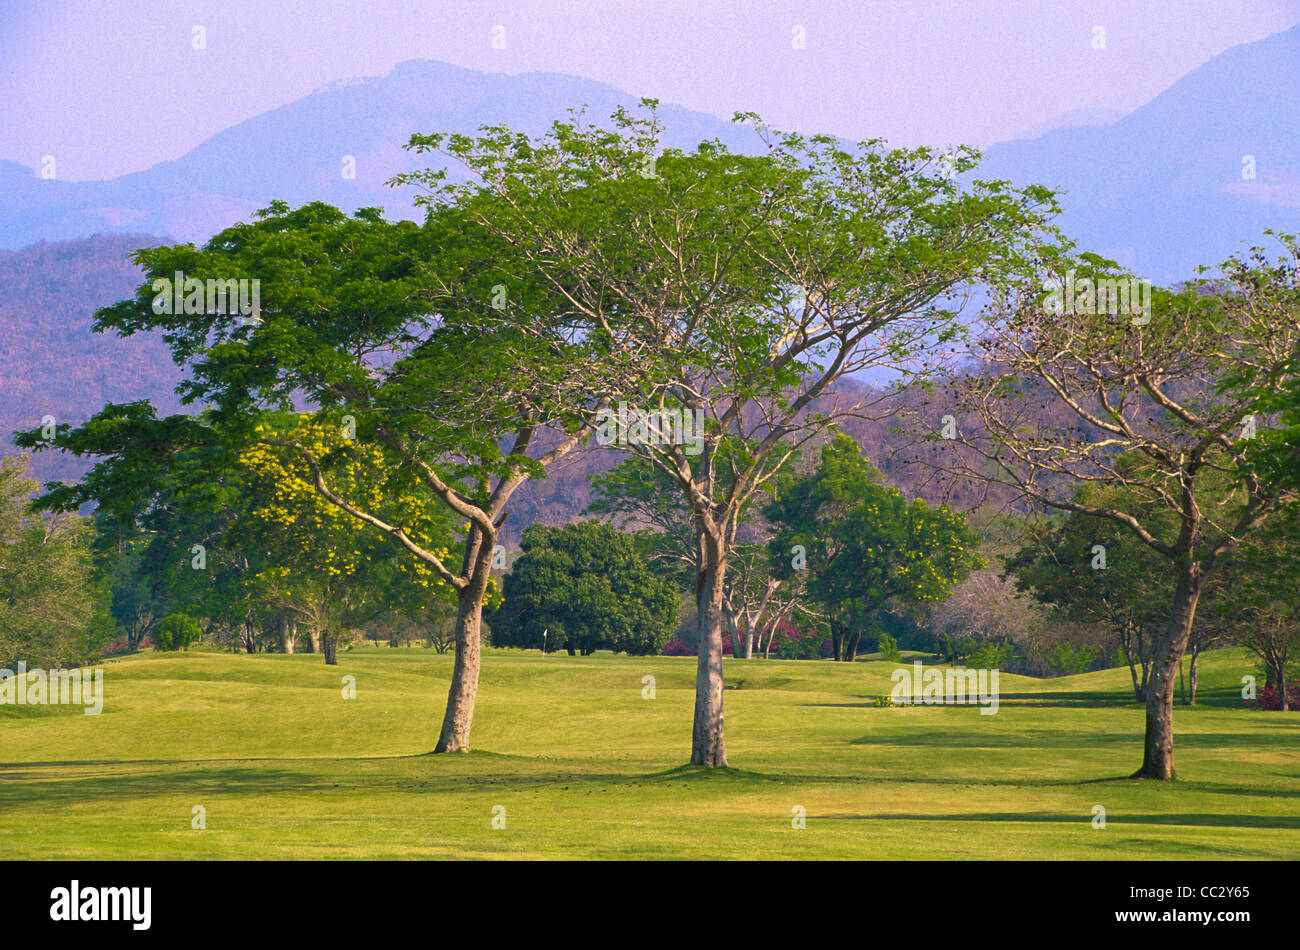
(297, 153)
(1074, 117)
(1161, 190)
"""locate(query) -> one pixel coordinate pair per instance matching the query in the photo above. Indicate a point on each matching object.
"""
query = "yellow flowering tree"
(317, 563)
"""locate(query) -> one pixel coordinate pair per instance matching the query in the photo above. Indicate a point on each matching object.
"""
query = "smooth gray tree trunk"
(1158, 754)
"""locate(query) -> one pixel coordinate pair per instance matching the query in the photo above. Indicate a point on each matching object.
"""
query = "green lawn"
(585, 767)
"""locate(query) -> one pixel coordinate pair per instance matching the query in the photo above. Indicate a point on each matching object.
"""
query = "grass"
(586, 768)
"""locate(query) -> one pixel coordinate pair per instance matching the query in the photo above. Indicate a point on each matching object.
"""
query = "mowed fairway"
(584, 767)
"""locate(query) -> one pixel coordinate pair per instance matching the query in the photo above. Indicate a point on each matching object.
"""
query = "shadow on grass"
(21, 790)
(55, 784)
(941, 737)
(1202, 820)
(1068, 699)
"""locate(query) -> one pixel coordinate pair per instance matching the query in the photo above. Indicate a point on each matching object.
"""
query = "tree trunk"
(287, 632)
(1158, 756)
(313, 637)
(1182, 683)
(707, 741)
(851, 646)
(1191, 677)
(1126, 644)
(330, 648)
(733, 629)
(459, 716)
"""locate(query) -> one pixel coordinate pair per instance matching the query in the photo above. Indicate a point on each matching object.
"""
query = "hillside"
(50, 362)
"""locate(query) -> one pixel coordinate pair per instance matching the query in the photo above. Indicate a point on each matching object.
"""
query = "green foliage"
(53, 605)
(176, 632)
(1068, 660)
(588, 588)
(866, 546)
(888, 648)
(955, 650)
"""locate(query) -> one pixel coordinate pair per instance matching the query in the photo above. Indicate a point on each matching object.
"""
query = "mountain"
(1160, 189)
(50, 362)
(1167, 187)
(301, 151)
(1075, 117)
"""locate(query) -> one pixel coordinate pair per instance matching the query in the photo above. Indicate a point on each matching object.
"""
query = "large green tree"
(834, 260)
(586, 586)
(864, 545)
(433, 344)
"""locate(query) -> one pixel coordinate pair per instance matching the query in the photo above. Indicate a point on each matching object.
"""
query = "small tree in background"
(588, 587)
(1098, 572)
(863, 544)
(176, 632)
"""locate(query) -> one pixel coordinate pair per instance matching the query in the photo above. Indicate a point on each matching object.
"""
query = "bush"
(955, 650)
(1068, 660)
(991, 656)
(1270, 698)
(888, 648)
(176, 632)
(789, 643)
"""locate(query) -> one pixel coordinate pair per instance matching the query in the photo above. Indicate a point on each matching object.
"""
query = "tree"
(586, 584)
(986, 611)
(53, 607)
(1099, 572)
(1158, 402)
(1255, 603)
(755, 601)
(176, 632)
(321, 565)
(865, 546)
(438, 345)
(835, 261)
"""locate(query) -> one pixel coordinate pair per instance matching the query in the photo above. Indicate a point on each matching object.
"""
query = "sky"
(115, 86)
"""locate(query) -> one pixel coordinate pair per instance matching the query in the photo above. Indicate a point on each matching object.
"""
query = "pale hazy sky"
(114, 87)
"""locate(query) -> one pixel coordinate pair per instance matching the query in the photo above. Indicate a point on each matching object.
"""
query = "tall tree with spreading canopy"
(1160, 403)
(842, 260)
(397, 333)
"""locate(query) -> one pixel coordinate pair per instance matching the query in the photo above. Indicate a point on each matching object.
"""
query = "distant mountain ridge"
(1162, 189)
(305, 150)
